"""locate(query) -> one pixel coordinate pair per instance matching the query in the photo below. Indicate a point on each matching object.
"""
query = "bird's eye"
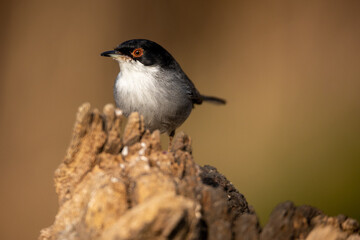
(138, 52)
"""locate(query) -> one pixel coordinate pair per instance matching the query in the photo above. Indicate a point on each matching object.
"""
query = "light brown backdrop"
(289, 70)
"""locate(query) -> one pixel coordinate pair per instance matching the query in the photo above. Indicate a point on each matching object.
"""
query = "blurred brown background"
(290, 71)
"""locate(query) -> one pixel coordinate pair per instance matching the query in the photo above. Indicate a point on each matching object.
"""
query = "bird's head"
(145, 52)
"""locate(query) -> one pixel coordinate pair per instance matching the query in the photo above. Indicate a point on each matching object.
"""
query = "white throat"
(136, 70)
(136, 84)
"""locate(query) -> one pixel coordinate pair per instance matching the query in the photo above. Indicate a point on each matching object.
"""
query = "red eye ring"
(138, 52)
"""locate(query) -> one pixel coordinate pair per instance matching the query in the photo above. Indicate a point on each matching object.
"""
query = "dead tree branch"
(122, 185)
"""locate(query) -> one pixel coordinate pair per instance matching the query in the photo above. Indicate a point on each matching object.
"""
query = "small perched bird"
(152, 83)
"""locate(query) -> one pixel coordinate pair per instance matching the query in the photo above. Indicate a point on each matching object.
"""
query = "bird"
(152, 83)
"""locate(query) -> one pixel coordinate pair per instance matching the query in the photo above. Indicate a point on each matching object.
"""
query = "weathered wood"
(122, 185)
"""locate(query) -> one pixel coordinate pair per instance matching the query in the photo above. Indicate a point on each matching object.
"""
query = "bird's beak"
(112, 53)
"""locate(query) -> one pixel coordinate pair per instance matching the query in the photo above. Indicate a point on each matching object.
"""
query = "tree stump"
(116, 184)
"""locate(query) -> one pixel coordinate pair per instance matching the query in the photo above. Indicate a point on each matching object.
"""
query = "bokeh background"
(290, 71)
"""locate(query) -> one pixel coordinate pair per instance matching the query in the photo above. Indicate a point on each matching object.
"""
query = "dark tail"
(214, 100)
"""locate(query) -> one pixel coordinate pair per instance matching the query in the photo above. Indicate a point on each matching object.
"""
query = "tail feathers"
(214, 100)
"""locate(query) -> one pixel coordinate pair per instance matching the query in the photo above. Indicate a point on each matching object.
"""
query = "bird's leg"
(171, 137)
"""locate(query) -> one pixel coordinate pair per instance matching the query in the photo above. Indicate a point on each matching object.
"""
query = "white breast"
(136, 86)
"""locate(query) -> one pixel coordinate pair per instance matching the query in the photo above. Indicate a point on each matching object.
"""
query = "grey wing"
(193, 93)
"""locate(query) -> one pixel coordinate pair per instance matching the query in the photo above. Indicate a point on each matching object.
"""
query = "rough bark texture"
(122, 185)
